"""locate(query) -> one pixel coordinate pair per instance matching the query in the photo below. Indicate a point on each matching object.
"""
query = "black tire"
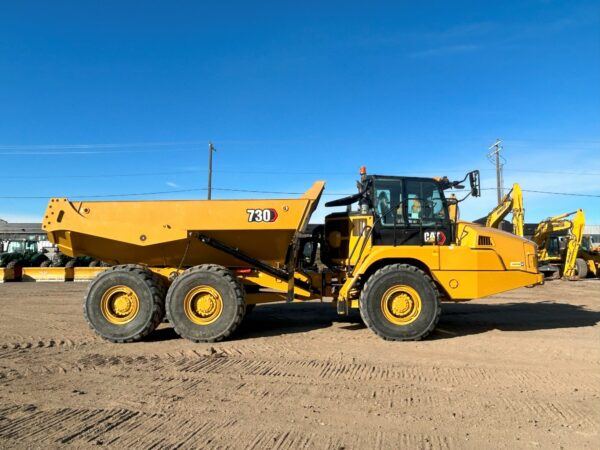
(371, 299)
(46, 263)
(17, 267)
(149, 292)
(14, 264)
(581, 268)
(70, 264)
(94, 263)
(232, 303)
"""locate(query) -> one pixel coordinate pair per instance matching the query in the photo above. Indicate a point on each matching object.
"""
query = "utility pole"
(211, 149)
(495, 153)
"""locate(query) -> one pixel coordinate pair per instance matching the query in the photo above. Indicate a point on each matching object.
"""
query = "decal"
(517, 264)
(434, 237)
(262, 215)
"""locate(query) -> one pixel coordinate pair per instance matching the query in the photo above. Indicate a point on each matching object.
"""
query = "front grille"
(485, 240)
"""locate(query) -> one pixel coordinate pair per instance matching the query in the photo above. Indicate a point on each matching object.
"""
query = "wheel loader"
(394, 254)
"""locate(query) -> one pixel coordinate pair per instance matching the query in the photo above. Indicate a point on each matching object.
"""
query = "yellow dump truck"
(395, 255)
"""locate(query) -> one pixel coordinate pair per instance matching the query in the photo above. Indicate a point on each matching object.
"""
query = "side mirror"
(474, 181)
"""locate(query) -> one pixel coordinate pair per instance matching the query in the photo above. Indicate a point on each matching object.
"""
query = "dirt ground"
(518, 370)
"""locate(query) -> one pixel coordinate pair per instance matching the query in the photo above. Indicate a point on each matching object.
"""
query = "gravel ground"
(517, 370)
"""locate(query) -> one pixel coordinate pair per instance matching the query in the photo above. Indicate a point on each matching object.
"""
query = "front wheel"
(400, 302)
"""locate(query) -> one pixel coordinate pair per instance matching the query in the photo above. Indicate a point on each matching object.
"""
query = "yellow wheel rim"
(119, 304)
(203, 305)
(401, 305)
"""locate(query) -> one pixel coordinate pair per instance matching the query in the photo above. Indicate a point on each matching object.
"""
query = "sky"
(104, 99)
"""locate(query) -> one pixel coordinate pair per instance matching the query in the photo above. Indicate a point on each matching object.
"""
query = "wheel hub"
(119, 305)
(401, 305)
(203, 305)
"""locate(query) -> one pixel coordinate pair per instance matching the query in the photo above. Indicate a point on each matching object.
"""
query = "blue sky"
(106, 98)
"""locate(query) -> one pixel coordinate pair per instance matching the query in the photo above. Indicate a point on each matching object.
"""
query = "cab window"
(387, 203)
(425, 206)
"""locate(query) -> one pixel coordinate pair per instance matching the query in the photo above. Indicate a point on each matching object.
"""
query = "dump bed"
(160, 233)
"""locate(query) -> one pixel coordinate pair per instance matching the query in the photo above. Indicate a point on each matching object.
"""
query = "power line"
(556, 172)
(94, 146)
(561, 193)
(138, 194)
(252, 191)
(261, 172)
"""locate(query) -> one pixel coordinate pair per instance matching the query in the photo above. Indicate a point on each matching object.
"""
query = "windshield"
(16, 247)
(421, 205)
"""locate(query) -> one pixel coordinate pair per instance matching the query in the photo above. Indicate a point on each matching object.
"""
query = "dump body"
(161, 233)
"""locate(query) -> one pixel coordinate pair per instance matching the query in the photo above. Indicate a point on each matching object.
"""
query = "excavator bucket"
(164, 233)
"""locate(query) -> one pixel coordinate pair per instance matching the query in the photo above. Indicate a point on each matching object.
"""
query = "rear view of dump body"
(160, 233)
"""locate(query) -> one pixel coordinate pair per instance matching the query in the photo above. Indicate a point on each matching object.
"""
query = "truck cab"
(392, 211)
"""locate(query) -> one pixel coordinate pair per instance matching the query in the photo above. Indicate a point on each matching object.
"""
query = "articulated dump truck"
(395, 254)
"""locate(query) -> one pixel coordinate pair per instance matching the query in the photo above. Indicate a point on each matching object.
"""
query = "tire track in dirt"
(383, 441)
(335, 370)
(12, 349)
(124, 428)
(100, 427)
(210, 361)
(551, 413)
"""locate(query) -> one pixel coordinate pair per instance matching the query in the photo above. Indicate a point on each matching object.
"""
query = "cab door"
(410, 211)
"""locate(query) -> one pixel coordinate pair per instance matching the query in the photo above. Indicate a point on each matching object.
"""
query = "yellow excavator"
(511, 203)
(554, 258)
(551, 257)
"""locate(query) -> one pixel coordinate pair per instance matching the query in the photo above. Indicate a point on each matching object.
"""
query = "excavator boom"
(511, 203)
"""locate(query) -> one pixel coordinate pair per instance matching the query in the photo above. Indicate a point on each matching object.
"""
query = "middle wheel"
(205, 303)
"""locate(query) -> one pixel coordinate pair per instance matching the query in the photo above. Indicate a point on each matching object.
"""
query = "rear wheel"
(205, 303)
(400, 302)
(46, 263)
(124, 303)
(581, 268)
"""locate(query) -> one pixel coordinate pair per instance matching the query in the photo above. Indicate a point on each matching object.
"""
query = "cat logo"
(434, 237)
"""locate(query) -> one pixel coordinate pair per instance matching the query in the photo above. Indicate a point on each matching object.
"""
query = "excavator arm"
(511, 203)
(574, 237)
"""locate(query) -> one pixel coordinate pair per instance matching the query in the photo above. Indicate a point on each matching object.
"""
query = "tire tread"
(239, 293)
(158, 295)
(398, 267)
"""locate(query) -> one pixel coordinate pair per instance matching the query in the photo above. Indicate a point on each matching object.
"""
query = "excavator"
(572, 261)
(552, 259)
(512, 202)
